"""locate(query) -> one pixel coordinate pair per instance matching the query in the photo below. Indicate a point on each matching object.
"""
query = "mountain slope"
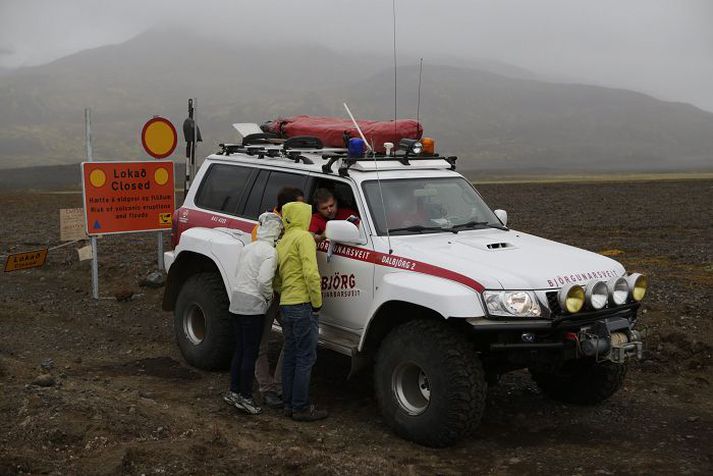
(492, 121)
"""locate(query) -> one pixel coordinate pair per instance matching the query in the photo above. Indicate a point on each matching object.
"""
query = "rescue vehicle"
(431, 286)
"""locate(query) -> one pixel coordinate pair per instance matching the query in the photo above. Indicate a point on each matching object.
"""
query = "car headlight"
(638, 284)
(512, 303)
(596, 294)
(571, 298)
(618, 291)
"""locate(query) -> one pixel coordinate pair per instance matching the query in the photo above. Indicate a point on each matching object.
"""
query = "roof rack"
(297, 154)
(404, 159)
(261, 151)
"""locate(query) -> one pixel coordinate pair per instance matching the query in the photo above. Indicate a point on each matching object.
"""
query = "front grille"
(553, 303)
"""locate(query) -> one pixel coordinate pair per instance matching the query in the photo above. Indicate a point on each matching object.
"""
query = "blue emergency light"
(356, 147)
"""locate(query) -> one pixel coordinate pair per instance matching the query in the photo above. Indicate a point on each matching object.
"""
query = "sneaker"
(249, 406)
(310, 414)
(272, 400)
(244, 404)
(232, 398)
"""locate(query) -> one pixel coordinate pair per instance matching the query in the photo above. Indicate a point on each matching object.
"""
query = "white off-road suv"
(431, 286)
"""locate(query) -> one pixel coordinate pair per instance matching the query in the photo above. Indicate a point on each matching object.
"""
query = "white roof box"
(246, 128)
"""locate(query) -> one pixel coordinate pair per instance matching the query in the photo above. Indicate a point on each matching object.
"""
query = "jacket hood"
(296, 216)
(270, 227)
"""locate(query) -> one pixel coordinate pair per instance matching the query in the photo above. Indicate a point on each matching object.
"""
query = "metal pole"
(161, 265)
(195, 138)
(95, 251)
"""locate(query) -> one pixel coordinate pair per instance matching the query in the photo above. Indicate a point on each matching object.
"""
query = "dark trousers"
(300, 328)
(248, 332)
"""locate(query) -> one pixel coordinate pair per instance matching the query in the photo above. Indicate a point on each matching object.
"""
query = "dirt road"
(100, 388)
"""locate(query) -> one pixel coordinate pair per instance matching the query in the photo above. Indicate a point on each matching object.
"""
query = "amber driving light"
(429, 146)
(571, 298)
(638, 284)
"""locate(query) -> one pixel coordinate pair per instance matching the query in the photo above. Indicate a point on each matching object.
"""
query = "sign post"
(192, 135)
(159, 139)
(93, 240)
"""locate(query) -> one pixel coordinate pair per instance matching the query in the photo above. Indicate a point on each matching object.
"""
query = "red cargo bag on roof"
(335, 131)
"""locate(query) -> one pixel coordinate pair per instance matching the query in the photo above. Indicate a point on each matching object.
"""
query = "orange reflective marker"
(159, 137)
(126, 197)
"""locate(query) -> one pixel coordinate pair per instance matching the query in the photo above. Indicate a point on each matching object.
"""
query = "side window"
(223, 187)
(341, 191)
(252, 205)
(266, 189)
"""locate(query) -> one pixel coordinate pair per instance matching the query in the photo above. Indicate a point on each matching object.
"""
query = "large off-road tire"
(584, 382)
(202, 322)
(429, 383)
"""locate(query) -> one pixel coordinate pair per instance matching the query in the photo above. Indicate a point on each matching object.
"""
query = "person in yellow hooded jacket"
(298, 283)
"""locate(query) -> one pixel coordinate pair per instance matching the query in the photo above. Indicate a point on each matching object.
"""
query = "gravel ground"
(100, 388)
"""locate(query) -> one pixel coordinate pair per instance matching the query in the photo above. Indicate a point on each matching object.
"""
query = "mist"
(659, 47)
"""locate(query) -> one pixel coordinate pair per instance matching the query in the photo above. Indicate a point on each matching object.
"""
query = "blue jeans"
(248, 331)
(300, 327)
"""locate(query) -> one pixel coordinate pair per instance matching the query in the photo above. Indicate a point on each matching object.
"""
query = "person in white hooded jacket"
(250, 300)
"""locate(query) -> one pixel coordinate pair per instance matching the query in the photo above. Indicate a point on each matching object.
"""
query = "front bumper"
(603, 335)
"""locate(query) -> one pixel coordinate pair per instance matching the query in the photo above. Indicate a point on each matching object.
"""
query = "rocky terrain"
(99, 387)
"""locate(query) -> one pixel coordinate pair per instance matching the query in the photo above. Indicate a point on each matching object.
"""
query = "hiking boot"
(287, 412)
(244, 404)
(271, 400)
(311, 413)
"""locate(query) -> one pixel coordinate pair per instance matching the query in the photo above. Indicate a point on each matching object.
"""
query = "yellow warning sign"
(29, 259)
(164, 219)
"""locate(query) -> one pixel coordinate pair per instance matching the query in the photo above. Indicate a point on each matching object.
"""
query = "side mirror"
(341, 231)
(502, 216)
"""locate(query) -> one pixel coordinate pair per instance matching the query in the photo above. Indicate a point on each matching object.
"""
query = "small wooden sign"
(71, 224)
(85, 253)
(29, 259)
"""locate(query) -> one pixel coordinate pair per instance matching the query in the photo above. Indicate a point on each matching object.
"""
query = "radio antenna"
(393, 5)
(418, 104)
(378, 180)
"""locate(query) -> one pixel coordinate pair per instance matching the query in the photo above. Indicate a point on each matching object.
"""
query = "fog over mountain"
(493, 115)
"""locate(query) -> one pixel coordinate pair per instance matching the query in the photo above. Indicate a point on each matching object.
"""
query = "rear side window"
(263, 196)
(223, 187)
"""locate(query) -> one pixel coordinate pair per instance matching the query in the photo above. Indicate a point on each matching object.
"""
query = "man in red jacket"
(327, 209)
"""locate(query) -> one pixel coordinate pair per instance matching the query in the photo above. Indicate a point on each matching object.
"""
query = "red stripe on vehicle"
(194, 218)
(399, 262)
(209, 220)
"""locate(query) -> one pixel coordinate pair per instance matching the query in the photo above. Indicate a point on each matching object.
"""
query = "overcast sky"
(661, 47)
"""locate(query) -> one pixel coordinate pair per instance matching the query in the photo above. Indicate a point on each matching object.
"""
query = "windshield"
(427, 205)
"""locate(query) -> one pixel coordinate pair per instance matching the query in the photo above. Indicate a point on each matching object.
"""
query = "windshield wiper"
(473, 224)
(418, 228)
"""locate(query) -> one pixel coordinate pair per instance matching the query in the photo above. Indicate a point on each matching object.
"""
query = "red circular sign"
(159, 137)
